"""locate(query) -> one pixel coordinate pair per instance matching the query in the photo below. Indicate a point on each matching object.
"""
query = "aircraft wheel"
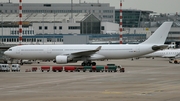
(88, 64)
(93, 63)
(83, 64)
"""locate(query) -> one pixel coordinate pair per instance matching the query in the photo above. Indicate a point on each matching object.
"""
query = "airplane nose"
(5, 53)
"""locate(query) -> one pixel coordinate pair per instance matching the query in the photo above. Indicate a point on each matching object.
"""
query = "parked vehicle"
(176, 61)
(34, 69)
(45, 68)
(87, 68)
(114, 68)
(4, 68)
(100, 68)
(57, 68)
(93, 68)
(69, 68)
(26, 62)
(15, 68)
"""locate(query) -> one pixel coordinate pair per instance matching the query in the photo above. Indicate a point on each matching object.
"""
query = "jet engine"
(60, 59)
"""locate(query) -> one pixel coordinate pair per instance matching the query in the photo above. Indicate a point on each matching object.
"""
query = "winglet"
(160, 35)
(99, 48)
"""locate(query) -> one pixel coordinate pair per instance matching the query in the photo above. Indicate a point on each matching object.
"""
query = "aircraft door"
(138, 49)
(49, 50)
(18, 50)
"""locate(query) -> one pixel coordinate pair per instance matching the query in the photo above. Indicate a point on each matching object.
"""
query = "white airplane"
(87, 53)
(166, 53)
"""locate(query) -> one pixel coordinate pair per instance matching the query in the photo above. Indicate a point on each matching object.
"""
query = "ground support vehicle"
(176, 61)
(4, 68)
(113, 67)
(28, 70)
(69, 68)
(93, 68)
(99, 68)
(15, 68)
(110, 68)
(79, 68)
(87, 68)
(57, 68)
(45, 68)
(122, 70)
(34, 69)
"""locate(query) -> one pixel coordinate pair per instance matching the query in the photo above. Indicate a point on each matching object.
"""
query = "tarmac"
(143, 80)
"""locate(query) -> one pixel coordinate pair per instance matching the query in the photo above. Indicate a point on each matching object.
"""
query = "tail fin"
(160, 35)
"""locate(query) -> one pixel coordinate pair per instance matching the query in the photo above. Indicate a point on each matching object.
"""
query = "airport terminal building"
(101, 10)
(50, 23)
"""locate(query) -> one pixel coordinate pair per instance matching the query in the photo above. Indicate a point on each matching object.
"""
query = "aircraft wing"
(85, 53)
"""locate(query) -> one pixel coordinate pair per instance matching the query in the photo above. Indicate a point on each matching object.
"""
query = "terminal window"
(45, 27)
(74, 27)
(102, 27)
(55, 27)
(40, 27)
(47, 5)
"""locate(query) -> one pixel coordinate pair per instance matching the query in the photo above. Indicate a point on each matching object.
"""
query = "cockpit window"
(10, 50)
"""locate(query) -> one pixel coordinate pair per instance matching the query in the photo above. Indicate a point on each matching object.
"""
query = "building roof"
(135, 10)
(46, 17)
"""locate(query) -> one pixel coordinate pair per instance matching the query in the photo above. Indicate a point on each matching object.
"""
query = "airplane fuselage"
(51, 51)
(167, 53)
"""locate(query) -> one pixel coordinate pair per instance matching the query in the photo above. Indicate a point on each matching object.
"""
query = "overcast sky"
(159, 6)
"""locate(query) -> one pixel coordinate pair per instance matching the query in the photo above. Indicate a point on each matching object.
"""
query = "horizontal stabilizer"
(156, 48)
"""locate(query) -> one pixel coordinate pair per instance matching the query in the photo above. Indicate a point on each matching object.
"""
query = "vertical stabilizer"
(160, 35)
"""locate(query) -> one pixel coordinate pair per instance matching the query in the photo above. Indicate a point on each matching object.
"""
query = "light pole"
(54, 30)
(43, 26)
(2, 26)
(54, 23)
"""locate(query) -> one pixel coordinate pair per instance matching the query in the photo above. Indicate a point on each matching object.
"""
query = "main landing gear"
(89, 63)
(21, 62)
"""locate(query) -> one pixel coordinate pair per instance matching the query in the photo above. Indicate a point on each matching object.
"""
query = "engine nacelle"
(97, 57)
(60, 59)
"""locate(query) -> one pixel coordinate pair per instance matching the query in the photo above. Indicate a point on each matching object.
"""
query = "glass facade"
(127, 38)
(91, 25)
(132, 18)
